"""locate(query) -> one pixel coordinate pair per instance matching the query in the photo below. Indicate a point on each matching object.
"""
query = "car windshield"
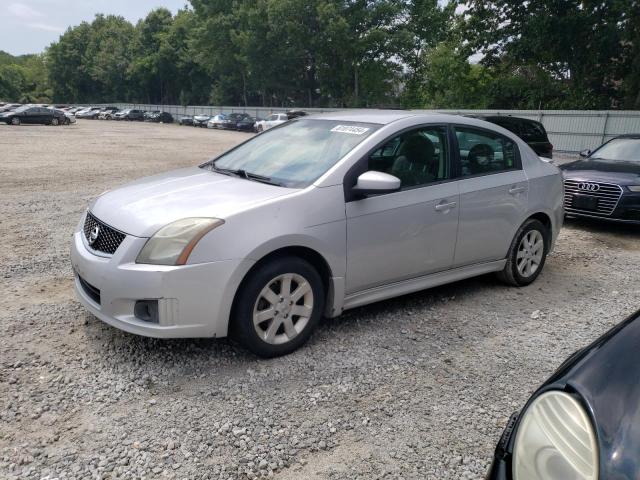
(297, 153)
(627, 149)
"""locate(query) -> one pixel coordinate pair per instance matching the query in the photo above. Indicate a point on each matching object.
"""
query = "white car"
(271, 121)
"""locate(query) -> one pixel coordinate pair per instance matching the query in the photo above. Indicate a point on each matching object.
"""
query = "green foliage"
(347, 53)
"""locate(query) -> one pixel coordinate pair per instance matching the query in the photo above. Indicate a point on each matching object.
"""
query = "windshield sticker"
(350, 129)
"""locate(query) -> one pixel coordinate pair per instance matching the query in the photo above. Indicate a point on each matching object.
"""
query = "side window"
(484, 152)
(417, 157)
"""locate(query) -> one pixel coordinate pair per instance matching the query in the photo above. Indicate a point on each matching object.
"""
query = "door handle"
(445, 206)
(515, 190)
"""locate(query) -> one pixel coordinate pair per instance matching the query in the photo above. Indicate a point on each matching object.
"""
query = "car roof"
(385, 117)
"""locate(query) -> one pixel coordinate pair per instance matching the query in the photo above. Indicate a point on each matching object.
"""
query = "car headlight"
(172, 244)
(634, 188)
(555, 441)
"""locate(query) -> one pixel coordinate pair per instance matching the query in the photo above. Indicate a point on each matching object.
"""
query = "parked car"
(8, 107)
(530, 131)
(129, 114)
(291, 114)
(582, 423)
(605, 184)
(65, 117)
(186, 120)
(302, 221)
(271, 121)
(28, 114)
(230, 122)
(246, 123)
(108, 113)
(90, 113)
(159, 117)
(200, 120)
(216, 121)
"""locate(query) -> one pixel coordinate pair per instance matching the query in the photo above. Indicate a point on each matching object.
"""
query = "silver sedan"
(311, 218)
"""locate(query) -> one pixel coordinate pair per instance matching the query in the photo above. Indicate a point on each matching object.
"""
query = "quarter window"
(417, 157)
(483, 152)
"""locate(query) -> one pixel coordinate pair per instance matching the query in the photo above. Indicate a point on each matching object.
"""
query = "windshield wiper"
(246, 175)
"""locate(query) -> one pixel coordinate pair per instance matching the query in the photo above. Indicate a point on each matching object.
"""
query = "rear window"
(533, 132)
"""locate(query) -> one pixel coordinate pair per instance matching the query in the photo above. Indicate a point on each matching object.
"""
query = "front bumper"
(193, 300)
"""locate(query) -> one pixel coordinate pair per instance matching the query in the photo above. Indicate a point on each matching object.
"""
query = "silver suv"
(314, 217)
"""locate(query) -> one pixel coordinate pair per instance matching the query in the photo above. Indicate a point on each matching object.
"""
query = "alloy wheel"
(283, 308)
(530, 253)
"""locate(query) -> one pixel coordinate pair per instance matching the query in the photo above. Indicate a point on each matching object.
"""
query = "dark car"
(201, 120)
(605, 183)
(247, 123)
(158, 117)
(129, 114)
(186, 120)
(532, 132)
(291, 114)
(583, 422)
(230, 121)
(33, 115)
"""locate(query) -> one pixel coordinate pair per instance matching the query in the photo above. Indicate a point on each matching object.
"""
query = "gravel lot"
(416, 387)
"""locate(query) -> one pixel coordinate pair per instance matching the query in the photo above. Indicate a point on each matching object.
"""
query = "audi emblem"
(589, 187)
(93, 236)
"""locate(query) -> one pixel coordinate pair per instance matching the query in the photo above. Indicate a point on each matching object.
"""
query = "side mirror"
(585, 153)
(372, 183)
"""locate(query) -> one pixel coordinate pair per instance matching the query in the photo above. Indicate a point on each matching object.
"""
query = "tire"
(15, 121)
(259, 129)
(55, 122)
(281, 331)
(527, 254)
(67, 121)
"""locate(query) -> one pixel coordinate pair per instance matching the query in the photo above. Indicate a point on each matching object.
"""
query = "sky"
(29, 26)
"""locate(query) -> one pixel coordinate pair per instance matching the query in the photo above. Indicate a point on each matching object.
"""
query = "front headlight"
(172, 244)
(555, 441)
(634, 188)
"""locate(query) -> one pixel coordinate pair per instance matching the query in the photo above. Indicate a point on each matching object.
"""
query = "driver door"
(411, 232)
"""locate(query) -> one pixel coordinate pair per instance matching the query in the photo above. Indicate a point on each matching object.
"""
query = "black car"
(605, 183)
(246, 123)
(532, 132)
(33, 115)
(186, 120)
(158, 117)
(291, 114)
(583, 422)
(230, 122)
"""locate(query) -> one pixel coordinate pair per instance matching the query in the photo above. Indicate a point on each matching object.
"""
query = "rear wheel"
(15, 121)
(278, 307)
(527, 254)
(55, 122)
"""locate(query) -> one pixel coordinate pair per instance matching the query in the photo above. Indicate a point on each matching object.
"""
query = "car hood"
(606, 374)
(201, 117)
(616, 171)
(144, 206)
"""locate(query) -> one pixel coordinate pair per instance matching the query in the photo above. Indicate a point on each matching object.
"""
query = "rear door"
(493, 194)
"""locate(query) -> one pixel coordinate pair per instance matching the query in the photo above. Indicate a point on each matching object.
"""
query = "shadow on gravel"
(603, 226)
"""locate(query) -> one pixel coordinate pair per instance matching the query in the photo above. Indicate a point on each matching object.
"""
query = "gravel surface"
(416, 387)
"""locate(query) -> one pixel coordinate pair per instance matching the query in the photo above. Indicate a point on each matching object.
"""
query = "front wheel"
(527, 254)
(15, 121)
(278, 307)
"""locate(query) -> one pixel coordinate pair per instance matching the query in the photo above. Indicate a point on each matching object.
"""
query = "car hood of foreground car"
(141, 208)
(616, 171)
(606, 374)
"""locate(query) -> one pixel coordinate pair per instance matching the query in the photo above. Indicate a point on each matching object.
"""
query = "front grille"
(607, 196)
(92, 292)
(108, 239)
